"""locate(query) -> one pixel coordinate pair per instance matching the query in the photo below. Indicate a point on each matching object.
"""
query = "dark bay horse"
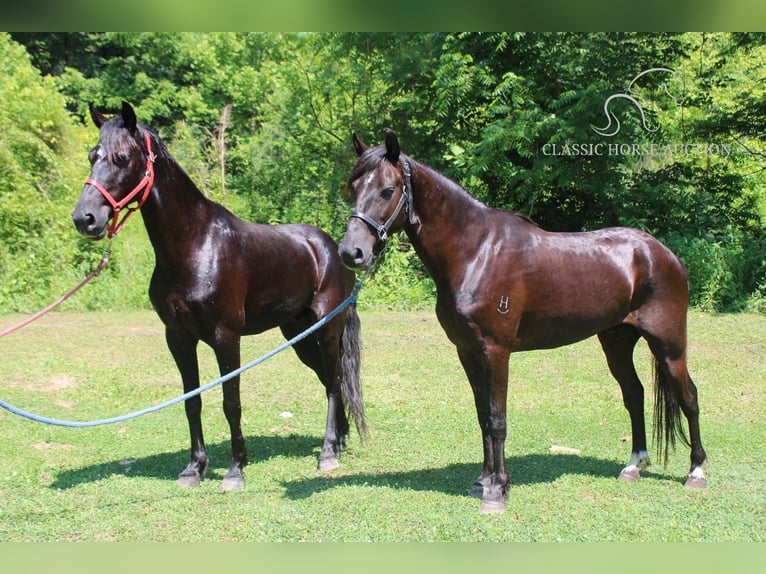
(506, 285)
(218, 278)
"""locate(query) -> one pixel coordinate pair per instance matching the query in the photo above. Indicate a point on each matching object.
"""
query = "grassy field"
(408, 482)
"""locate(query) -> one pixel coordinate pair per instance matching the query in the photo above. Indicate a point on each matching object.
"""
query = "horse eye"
(387, 193)
(121, 159)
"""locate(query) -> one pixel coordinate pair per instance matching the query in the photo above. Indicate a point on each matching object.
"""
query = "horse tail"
(350, 358)
(667, 413)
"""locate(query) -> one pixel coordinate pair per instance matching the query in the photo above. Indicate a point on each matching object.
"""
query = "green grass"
(408, 482)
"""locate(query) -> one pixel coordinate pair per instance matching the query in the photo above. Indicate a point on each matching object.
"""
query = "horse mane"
(374, 156)
(525, 217)
(117, 139)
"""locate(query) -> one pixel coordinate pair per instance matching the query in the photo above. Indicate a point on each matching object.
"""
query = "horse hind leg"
(322, 355)
(664, 329)
(677, 392)
(618, 344)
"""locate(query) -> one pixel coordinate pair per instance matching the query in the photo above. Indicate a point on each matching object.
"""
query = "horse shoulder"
(485, 295)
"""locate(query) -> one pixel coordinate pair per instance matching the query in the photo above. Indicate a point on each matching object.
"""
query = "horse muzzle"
(354, 257)
(358, 249)
(91, 223)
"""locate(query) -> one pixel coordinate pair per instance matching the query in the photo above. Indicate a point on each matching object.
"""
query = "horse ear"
(98, 118)
(129, 117)
(359, 145)
(392, 146)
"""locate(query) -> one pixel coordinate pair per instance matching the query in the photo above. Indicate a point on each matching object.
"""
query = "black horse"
(505, 285)
(217, 278)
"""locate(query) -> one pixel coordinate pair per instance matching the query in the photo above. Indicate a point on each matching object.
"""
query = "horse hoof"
(629, 475)
(232, 483)
(696, 482)
(189, 480)
(328, 464)
(492, 506)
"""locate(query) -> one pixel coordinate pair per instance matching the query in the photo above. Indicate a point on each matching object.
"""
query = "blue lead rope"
(81, 424)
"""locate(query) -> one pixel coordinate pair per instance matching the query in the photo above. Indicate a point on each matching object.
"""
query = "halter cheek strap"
(405, 200)
(144, 185)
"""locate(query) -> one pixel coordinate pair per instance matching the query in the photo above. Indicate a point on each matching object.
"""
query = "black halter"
(405, 200)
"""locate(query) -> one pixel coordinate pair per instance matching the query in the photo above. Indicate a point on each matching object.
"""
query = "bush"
(727, 272)
(399, 281)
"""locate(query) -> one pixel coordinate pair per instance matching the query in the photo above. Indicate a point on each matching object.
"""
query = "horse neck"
(442, 225)
(175, 211)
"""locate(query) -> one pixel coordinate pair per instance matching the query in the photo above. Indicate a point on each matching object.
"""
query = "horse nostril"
(352, 257)
(84, 221)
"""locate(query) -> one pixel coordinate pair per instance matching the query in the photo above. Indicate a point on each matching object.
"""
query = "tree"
(37, 180)
(263, 124)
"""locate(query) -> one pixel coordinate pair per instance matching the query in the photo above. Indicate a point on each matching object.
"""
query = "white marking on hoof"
(696, 478)
(629, 474)
(639, 459)
(632, 473)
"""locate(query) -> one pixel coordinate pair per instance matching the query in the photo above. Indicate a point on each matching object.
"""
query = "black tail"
(350, 360)
(668, 423)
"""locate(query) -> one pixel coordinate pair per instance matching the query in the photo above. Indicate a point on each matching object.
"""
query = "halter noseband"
(145, 184)
(405, 200)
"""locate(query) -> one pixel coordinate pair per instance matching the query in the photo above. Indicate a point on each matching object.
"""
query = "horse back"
(531, 289)
(250, 277)
(291, 269)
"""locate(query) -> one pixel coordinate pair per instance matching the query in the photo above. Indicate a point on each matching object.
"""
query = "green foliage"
(399, 281)
(37, 183)
(262, 122)
(726, 272)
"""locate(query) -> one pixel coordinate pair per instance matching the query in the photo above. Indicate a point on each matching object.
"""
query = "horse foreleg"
(487, 372)
(183, 348)
(228, 356)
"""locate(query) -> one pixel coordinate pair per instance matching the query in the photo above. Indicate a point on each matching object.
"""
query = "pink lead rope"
(93, 274)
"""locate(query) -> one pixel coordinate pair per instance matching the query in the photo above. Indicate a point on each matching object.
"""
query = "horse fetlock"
(192, 475)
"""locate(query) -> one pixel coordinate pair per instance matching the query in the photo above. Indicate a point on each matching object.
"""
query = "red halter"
(145, 184)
